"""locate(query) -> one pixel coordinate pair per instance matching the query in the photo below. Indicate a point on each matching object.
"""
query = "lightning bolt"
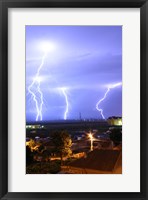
(104, 97)
(67, 104)
(35, 90)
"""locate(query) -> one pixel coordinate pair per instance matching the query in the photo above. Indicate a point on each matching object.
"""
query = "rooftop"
(104, 160)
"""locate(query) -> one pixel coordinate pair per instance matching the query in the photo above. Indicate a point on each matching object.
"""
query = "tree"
(116, 135)
(41, 148)
(33, 145)
(62, 142)
(45, 155)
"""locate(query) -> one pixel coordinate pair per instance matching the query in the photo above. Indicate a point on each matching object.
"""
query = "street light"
(90, 135)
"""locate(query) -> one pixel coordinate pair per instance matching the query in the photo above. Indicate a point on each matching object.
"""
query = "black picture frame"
(4, 6)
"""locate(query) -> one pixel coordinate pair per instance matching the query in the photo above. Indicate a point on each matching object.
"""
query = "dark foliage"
(62, 143)
(116, 135)
(29, 155)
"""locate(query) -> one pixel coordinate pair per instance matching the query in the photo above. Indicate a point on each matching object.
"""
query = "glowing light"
(90, 135)
(120, 122)
(104, 97)
(38, 79)
(67, 104)
(47, 46)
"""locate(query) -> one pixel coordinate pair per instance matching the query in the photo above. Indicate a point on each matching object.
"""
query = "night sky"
(77, 62)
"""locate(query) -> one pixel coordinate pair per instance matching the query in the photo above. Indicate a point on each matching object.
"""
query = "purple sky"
(83, 60)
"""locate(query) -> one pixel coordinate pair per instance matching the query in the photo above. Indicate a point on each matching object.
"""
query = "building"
(115, 121)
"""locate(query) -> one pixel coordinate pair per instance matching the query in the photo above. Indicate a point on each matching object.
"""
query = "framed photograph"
(73, 99)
